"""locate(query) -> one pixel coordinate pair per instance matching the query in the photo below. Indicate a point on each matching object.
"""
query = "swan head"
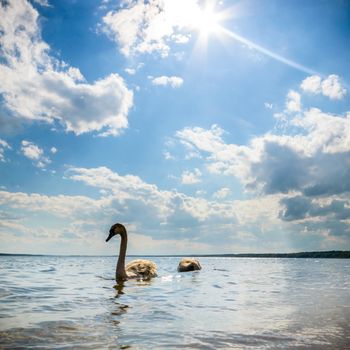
(116, 229)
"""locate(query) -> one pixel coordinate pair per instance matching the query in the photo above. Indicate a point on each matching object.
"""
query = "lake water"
(232, 303)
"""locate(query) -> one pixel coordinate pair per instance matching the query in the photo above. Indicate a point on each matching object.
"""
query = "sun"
(206, 21)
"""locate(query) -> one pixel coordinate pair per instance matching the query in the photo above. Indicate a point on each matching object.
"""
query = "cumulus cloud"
(190, 178)
(307, 166)
(312, 84)
(31, 151)
(3, 146)
(329, 216)
(293, 102)
(36, 86)
(35, 153)
(221, 158)
(307, 161)
(149, 26)
(330, 86)
(301, 207)
(173, 81)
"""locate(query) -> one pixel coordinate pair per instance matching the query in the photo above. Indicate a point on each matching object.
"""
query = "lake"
(232, 303)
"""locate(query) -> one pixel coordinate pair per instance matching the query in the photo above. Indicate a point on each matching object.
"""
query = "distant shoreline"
(332, 254)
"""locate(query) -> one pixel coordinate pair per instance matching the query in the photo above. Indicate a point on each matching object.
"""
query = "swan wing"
(141, 269)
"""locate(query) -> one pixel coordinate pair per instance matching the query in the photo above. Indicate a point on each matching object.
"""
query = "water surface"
(233, 303)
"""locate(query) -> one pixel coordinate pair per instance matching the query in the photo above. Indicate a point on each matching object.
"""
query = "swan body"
(140, 269)
(189, 264)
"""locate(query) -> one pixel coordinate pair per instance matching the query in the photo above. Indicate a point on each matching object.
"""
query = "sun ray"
(265, 51)
(208, 22)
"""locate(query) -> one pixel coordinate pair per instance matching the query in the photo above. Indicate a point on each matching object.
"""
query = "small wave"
(105, 278)
(51, 269)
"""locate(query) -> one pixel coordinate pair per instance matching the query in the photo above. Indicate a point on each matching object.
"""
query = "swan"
(141, 269)
(189, 264)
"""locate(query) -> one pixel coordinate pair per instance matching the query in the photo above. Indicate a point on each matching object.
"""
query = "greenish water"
(233, 303)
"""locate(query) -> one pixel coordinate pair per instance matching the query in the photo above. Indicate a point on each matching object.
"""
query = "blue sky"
(203, 126)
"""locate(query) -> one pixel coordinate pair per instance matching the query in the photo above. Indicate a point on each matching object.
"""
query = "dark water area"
(233, 303)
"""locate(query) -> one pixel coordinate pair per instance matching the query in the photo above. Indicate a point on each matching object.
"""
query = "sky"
(203, 126)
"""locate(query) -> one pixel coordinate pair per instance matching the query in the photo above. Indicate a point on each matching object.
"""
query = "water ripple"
(70, 302)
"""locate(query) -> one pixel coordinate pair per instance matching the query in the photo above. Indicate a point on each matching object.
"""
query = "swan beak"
(109, 237)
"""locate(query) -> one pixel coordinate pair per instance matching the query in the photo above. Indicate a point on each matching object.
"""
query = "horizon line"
(185, 255)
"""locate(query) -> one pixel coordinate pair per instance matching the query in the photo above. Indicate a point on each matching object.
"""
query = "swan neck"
(120, 269)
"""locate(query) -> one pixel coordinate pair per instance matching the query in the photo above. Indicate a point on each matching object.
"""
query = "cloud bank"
(164, 221)
(308, 164)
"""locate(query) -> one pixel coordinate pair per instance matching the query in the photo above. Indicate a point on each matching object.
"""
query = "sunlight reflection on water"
(56, 302)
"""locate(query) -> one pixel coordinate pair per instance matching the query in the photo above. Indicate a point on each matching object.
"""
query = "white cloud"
(53, 150)
(293, 102)
(3, 146)
(42, 2)
(66, 222)
(333, 88)
(180, 38)
(312, 84)
(262, 210)
(330, 87)
(61, 206)
(31, 151)
(130, 71)
(35, 153)
(149, 26)
(35, 86)
(190, 178)
(222, 193)
(173, 81)
(168, 155)
(203, 140)
(221, 158)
